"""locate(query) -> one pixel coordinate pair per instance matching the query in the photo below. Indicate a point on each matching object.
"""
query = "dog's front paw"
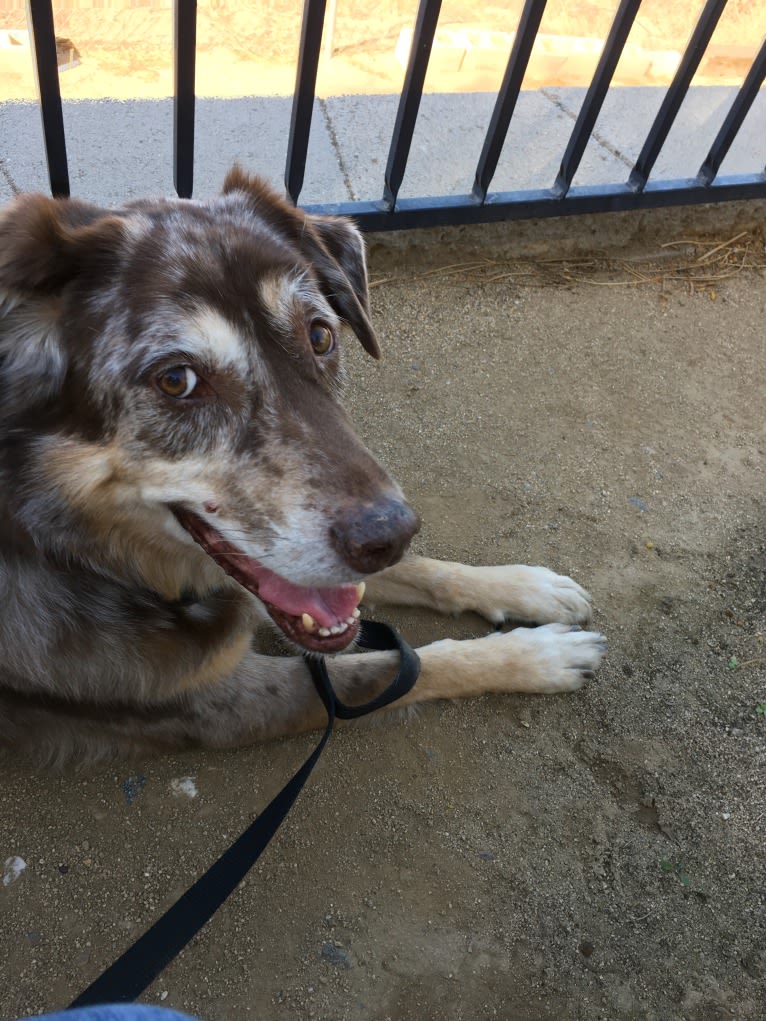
(531, 594)
(545, 660)
(552, 658)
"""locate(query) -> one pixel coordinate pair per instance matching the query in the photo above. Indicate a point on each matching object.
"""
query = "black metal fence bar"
(671, 104)
(391, 213)
(303, 97)
(409, 102)
(500, 121)
(43, 37)
(594, 98)
(453, 210)
(733, 122)
(184, 53)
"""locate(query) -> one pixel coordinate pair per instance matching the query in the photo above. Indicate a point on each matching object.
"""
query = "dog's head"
(169, 400)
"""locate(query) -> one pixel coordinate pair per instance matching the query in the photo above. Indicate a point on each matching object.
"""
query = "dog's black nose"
(372, 536)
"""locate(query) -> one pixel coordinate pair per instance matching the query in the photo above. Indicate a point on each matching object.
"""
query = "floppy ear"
(345, 245)
(333, 246)
(44, 244)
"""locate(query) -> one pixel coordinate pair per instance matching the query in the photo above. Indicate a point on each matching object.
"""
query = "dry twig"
(719, 260)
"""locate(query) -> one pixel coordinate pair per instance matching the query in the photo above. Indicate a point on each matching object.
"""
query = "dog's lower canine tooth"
(308, 622)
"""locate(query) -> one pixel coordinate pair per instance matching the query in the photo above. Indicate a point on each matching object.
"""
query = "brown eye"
(322, 339)
(179, 382)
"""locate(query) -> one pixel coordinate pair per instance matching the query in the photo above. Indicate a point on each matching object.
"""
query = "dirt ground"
(123, 48)
(590, 856)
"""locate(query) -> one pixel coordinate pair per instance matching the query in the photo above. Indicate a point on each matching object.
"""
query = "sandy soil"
(591, 856)
(124, 50)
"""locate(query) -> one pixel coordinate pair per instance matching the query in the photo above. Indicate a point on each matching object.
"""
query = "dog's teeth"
(308, 622)
(351, 620)
(324, 632)
(354, 616)
(360, 588)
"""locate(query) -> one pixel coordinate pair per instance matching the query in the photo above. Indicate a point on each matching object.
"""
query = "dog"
(176, 467)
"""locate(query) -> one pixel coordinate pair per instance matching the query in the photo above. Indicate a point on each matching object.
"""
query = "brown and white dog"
(175, 466)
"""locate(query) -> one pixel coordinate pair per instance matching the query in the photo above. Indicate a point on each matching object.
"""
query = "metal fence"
(481, 205)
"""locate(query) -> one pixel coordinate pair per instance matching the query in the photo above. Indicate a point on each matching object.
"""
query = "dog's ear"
(333, 246)
(44, 244)
(345, 245)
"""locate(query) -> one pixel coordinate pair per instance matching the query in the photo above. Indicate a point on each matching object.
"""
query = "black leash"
(141, 963)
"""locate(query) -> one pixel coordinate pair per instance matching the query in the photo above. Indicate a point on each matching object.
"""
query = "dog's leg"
(512, 592)
(270, 697)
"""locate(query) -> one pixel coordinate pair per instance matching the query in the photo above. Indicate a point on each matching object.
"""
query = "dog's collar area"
(318, 619)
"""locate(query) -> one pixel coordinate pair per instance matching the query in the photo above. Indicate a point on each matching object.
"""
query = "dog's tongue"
(326, 605)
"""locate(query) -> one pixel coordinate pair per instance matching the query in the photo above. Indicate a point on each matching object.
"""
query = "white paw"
(533, 594)
(551, 658)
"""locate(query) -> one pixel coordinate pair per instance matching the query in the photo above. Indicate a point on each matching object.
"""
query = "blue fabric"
(117, 1012)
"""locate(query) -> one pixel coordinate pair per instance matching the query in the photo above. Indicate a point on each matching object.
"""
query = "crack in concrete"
(336, 148)
(6, 175)
(602, 141)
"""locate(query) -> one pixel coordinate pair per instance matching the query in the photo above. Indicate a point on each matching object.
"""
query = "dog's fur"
(119, 631)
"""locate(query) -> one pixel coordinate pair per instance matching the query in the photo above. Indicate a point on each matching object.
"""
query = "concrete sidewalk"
(124, 149)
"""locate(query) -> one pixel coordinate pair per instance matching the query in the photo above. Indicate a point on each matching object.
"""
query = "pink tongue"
(326, 605)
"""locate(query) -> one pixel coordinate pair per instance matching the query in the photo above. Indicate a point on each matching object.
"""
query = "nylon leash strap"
(141, 963)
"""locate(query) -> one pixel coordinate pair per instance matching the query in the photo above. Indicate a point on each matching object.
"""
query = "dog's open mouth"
(318, 619)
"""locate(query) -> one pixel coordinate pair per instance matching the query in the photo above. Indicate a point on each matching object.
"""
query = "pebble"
(335, 955)
(184, 787)
(12, 869)
(132, 788)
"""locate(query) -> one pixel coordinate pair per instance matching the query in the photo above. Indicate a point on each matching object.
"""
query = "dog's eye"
(180, 381)
(322, 339)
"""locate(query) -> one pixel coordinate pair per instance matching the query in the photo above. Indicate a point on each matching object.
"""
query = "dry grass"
(690, 264)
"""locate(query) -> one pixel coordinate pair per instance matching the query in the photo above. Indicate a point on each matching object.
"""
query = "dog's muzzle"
(367, 537)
